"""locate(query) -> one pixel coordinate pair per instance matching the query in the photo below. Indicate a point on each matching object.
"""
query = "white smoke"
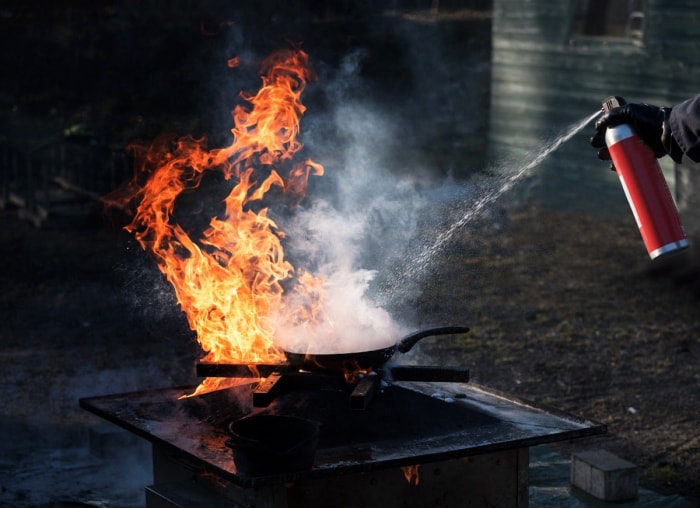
(376, 219)
(359, 225)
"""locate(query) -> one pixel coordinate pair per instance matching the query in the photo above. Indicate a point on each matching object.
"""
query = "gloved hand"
(647, 121)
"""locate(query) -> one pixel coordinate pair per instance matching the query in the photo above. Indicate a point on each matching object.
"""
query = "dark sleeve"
(685, 127)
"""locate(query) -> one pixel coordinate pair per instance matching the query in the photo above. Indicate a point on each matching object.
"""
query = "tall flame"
(228, 278)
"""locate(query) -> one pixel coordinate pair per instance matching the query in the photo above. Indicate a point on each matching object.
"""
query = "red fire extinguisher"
(645, 187)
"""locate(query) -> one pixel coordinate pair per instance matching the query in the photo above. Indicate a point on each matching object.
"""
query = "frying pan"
(364, 360)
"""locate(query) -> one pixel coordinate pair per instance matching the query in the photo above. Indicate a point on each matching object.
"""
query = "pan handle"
(409, 341)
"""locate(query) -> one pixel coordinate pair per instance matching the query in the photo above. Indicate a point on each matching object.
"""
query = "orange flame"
(411, 474)
(228, 279)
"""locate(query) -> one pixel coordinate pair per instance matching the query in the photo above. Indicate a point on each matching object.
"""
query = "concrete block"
(604, 475)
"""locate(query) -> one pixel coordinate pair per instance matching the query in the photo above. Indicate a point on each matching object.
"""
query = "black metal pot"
(364, 360)
(267, 444)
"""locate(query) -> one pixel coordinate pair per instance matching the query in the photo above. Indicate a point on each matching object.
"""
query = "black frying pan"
(365, 360)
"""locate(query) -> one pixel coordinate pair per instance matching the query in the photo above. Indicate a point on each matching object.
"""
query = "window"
(609, 18)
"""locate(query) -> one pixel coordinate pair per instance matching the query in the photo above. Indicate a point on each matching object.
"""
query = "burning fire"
(411, 474)
(227, 278)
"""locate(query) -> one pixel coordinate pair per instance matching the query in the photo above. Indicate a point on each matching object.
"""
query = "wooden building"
(554, 62)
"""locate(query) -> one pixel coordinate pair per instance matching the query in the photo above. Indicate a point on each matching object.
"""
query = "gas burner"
(361, 387)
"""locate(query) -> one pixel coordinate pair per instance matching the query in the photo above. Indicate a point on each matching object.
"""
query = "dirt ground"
(565, 310)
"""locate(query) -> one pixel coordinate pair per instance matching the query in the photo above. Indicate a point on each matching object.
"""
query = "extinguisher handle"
(614, 101)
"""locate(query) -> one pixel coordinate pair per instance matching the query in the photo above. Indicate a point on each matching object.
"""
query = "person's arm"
(684, 122)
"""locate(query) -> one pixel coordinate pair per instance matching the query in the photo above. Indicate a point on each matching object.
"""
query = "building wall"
(545, 78)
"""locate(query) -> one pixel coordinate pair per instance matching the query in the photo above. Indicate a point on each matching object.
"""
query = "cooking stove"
(418, 443)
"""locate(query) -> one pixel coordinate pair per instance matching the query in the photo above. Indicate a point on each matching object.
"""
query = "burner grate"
(279, 379)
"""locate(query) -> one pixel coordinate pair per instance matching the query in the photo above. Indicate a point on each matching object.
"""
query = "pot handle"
(409, 341)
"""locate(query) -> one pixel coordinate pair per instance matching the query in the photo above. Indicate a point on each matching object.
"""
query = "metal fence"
(63, 175)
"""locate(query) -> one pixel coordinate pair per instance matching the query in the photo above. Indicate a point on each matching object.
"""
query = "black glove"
(647, 121)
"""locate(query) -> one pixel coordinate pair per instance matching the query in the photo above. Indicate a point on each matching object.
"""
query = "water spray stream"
(422, 261)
